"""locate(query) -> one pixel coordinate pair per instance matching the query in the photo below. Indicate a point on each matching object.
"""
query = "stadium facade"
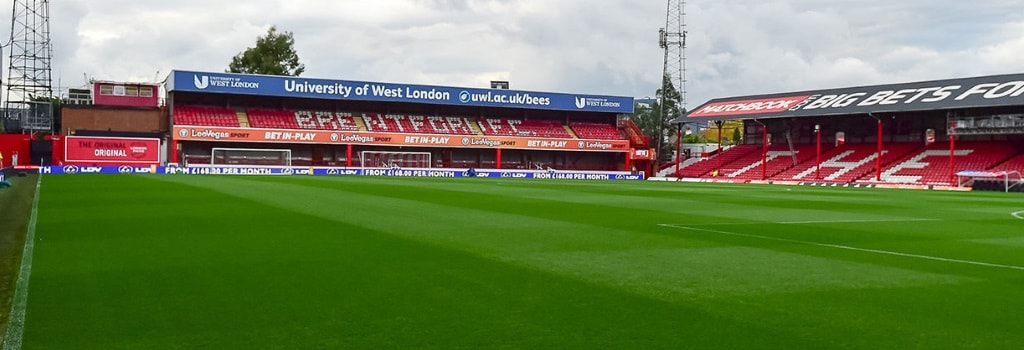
(327, 122)
(225, 119)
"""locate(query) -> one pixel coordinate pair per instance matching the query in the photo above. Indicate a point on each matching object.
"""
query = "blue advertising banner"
(282, 86)
(511, 174)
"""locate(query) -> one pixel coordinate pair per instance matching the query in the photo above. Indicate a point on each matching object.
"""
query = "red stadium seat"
(205, 116)
(596, 131)
(301, 119)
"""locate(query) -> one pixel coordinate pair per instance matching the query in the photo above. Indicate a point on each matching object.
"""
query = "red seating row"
(525, 128)
(324, 120)
(289, 119)
(500, 127)
(909, 163)
(596, 131)
(705, 167)
(1014, 164)
(418, 124)
(931, 166)
(540, 128)
(846, 163)
(758, 166)
(205, 116)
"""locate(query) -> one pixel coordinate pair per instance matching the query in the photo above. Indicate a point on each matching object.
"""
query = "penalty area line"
(16, 320)
(1018, 214)
(846, 247)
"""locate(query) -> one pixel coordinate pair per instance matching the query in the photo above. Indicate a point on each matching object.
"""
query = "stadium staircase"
(571, 133)
(243, 119)
(475, 126)
(636, 137)
(360, 124)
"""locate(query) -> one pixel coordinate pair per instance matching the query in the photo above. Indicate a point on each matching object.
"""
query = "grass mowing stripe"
(150, 261)
(510, 235)
(846, 247)
(16, 322)
(253, 276)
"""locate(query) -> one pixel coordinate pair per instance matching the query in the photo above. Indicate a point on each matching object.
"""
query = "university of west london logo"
(201, 82)
(581, 102)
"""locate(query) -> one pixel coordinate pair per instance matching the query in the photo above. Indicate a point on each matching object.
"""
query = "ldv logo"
(201, 82)
(581, 102)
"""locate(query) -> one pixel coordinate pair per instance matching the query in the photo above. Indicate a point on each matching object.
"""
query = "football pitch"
(224, 262)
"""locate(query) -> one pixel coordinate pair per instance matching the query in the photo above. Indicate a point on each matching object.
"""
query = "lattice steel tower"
(28, 76)
(672, 39)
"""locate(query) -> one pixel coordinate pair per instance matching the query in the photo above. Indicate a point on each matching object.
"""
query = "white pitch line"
(16, 320)
(1019, 214)
(849, 221)
(812, 222)
(846, 247)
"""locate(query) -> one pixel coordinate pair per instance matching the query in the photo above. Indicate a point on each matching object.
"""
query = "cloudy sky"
(735, 47)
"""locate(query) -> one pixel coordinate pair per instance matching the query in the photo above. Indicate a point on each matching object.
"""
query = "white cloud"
(736, 47)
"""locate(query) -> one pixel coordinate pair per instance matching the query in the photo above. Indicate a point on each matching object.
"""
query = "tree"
(659, 125)
(274, 54)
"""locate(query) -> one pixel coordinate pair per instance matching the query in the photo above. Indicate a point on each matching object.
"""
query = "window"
(119, 90)
(106, 89)
(146, 91)
(131, 90)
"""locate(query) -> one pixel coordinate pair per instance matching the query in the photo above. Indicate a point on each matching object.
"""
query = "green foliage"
(274, 54)
(654, 123)
(736, 135)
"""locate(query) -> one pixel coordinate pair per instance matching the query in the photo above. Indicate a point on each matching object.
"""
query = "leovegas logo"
(744, 107)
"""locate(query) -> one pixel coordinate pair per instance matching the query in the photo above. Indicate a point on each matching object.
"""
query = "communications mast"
(672, 39)
(29, 88)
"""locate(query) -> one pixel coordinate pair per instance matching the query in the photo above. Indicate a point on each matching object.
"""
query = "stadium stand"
(418, 124)
(1013, 164)
(596, 131)
(847, 163)
(705, 167)
(931, 165)
(205, 116)
(291, 119)
(779, 158)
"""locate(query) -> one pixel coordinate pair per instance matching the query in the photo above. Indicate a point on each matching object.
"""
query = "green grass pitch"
(218, 262)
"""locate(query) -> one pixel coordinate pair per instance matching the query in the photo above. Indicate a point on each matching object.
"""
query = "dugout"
(327, 122)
